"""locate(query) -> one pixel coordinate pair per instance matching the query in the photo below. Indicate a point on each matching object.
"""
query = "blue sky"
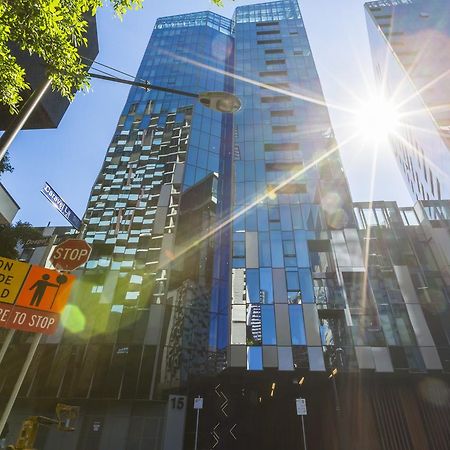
(70, 156)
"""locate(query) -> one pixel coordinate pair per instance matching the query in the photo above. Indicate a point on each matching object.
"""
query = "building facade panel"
(407, 40)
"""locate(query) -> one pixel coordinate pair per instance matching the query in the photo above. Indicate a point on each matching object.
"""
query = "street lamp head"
(223, 102)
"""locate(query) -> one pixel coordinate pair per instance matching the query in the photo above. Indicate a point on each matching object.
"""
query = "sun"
(377, 119)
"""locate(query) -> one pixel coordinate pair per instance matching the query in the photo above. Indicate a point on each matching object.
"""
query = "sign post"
(31, 299)
(20, 378)
(6, 343)
(198, 405)
(300, 404)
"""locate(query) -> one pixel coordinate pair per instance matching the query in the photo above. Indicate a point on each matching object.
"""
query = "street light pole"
(223, 102)
(19, 121)
(145, 85)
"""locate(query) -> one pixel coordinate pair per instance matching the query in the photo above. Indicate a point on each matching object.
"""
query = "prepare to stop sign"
(70, 254)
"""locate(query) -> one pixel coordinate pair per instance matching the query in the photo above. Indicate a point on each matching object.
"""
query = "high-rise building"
(410, 41)
(229, 262)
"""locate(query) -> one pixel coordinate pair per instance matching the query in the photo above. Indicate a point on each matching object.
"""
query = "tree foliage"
(53, 30)
(5, 165)
(12, 235)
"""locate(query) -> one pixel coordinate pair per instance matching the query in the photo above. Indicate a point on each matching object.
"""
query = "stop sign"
(70, 254)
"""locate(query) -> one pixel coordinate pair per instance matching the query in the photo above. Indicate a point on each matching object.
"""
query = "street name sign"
(43, 241)
(70, 254)
(50, 194)
(32, 297)
(300, 404)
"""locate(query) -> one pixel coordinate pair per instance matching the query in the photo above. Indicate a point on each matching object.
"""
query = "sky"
(70, 156)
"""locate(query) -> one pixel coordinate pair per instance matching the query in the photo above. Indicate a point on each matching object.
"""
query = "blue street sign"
(50, 194)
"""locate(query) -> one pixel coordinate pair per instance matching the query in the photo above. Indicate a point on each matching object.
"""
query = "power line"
(112, 68)
(105, 73)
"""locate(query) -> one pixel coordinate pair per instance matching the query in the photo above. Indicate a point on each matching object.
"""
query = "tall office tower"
(229, 263)
(291, 197)
(410, 42)
(109, 356)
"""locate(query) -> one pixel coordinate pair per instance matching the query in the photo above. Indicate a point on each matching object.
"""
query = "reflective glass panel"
(252, 280)
(297, 325)
(306, 286)
(254, 358)
(268, 325)
(266, 285)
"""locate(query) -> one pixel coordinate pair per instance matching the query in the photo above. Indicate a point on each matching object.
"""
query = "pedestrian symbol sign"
(32, 297)
(45, 289)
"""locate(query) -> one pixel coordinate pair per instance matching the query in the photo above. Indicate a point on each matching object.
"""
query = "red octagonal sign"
(70, 254)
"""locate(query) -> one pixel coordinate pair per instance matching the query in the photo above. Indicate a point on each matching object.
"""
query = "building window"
(260, 33)
(269, 41)
(284, 128)
(273, 73)
(275, 61)
(276, 99)
(273, 51)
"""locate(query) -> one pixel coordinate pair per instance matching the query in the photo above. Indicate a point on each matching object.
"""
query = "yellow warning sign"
(12, 276)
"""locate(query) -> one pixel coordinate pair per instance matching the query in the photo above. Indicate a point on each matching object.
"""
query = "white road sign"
(300, 404)
(198, 403)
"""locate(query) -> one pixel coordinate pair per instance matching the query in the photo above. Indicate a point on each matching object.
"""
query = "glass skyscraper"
(278, 137)
(229, 262)
(410, 41)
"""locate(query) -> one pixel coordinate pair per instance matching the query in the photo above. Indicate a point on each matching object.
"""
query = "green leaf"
(53, 30)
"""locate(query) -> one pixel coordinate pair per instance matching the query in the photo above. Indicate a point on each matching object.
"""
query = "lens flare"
(73, 319)
(377, 119)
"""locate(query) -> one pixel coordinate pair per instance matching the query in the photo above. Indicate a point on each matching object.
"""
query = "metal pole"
(336, 396)
(19, 121)
(26, 365)
(196, 430)
(6, 343)
(304, 433)
(18, 385)
(340, 427)
(145, 85)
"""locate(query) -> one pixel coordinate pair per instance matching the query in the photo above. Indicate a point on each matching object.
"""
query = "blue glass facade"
(277, 138)
(164, 144)
(175, 47)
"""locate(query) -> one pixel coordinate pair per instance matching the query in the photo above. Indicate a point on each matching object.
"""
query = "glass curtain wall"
(279, 192)
(163, 144)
